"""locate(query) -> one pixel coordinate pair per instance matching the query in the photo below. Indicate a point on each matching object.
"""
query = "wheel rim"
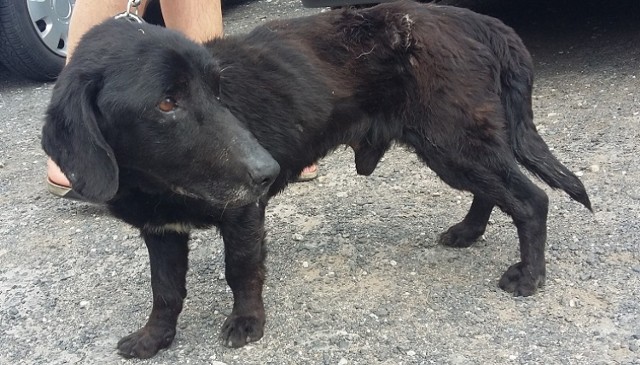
(50, 19)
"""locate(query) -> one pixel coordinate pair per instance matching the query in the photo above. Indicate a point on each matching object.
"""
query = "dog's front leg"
(168, 255)
(243, 234)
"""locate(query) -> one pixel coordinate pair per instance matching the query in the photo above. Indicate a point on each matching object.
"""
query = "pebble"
(594, 168)
(298, 237)
(305, 264)
(586, 276)
(343, 361)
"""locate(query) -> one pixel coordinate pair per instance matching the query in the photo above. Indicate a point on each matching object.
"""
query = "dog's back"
(379, 60)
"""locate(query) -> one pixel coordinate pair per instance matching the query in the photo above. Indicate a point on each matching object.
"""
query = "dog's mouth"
(232, 198)
(218, 194)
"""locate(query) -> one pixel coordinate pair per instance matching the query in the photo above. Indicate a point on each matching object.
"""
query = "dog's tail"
(529, 148)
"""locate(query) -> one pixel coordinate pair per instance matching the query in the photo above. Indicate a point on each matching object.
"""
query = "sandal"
(62, 191)
(308, 173)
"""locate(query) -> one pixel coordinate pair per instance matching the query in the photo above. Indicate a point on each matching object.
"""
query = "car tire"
(22, 49)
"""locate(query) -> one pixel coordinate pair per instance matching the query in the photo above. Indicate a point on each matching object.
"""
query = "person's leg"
(86, 14)
(199, 20)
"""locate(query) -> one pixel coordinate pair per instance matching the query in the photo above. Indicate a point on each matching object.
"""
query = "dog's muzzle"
(262, 172)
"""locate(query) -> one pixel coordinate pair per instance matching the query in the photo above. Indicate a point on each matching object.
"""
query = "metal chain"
(131, 16)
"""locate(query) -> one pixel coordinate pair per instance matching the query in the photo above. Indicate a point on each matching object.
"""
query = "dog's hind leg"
(465, 233)
(244, 245)
(527, 205)
(489, 171)
(168, 256)
(530, 218)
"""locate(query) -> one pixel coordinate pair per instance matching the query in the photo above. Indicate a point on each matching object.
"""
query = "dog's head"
(140, 100)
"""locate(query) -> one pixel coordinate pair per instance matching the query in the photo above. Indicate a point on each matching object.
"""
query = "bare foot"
(55, 175)
(309, 173)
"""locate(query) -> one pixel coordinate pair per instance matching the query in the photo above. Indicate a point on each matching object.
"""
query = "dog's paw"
(238, 331)
(460, 236)
(146, 342)
(520, 280)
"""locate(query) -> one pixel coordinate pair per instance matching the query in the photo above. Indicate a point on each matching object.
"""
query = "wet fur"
(255, 109)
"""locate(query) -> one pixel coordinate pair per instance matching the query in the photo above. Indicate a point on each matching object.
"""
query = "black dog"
(173, 135)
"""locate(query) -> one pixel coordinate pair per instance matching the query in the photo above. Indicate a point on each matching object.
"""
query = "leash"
(128, 14)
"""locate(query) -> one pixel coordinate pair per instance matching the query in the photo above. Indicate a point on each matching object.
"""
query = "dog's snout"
(264, 172)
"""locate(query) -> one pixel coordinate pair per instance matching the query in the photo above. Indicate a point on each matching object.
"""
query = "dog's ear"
(72, 138)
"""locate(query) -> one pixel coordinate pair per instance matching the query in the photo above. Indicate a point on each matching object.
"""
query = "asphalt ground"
(355, 274)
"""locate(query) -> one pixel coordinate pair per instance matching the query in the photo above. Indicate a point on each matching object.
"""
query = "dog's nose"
(264, 172)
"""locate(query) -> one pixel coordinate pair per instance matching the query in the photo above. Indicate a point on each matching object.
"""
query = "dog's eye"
(167, 105)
